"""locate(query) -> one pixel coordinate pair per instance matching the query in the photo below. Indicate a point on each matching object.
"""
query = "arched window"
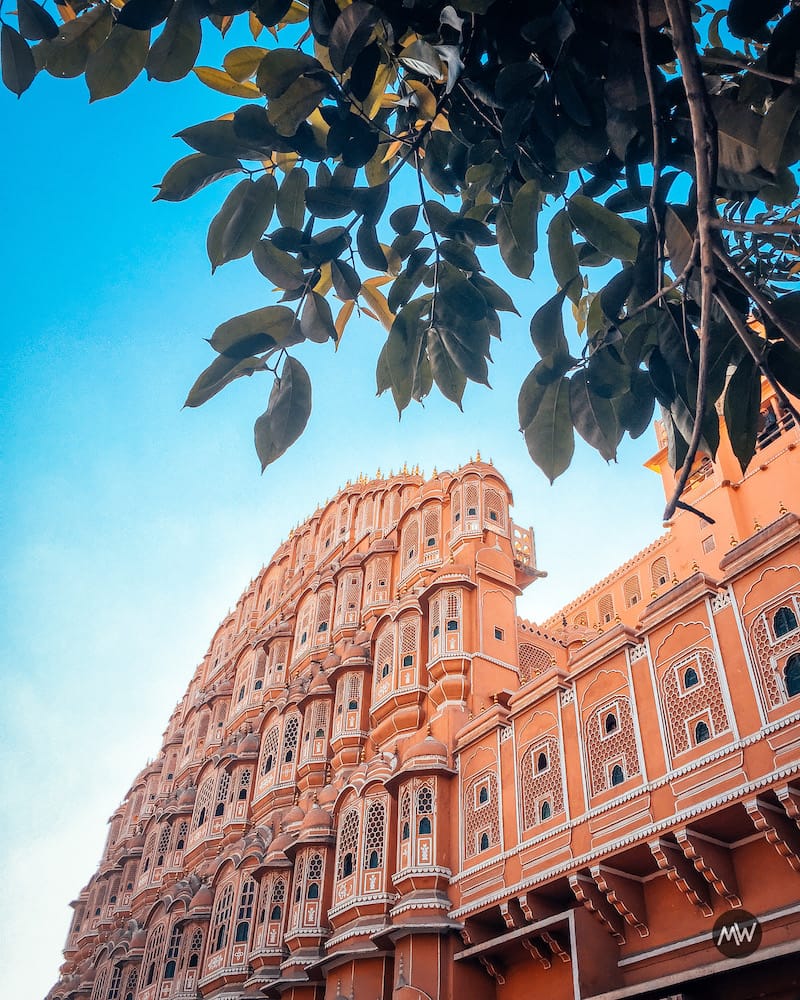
(374, 860)
(406, 831)
(352, 705)
(690, 677)
(275, 913)
(784, 621)
(222, 915)
(483, 795)
(347, 864)
(313, 891)
(617, 775)
(546, 811)
(484, 842)
(425, 825)
(610, 723)
(242, 931)
(268, 764)
(220, 809)
(541, 762)
(701, 733)
(659, 572)
(452, 625)
(791, 674)
(169, 969)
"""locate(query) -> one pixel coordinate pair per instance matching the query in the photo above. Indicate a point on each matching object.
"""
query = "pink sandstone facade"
(382, 783)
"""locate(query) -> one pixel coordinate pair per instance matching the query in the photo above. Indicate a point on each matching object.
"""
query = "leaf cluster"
(666, 211)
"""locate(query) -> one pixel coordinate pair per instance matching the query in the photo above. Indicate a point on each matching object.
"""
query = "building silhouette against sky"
(382, 783)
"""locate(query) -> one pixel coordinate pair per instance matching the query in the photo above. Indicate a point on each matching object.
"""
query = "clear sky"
(129, 526)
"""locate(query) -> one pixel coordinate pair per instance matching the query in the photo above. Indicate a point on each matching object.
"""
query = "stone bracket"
(587, 892)
(533, 948)
(713, 862)
(555, 946)
(789, 798)
(778, 829)
(680, 871)
(625, 895)
(492, 969)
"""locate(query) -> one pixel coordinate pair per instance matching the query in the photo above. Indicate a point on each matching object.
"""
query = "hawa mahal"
(383, 784)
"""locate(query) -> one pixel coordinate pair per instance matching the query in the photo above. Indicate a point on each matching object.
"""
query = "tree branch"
(655, 125)
(758, 228)
(763, 303)
(755, 70)
(704, 134)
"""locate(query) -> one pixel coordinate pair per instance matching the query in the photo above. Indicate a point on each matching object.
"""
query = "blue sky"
(130, 526)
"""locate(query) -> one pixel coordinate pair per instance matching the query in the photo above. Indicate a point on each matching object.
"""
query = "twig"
(704, 133)
(671, 286)
(641, 14)
(760, 300)
(758, 228)
(755, 70)
(746, 336)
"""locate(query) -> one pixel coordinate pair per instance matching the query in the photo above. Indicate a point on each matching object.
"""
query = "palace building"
(383, 784)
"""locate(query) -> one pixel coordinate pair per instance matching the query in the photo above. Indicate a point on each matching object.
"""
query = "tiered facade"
(382, 783)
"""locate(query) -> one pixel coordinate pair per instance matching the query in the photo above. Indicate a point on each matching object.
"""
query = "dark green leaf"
(460, 255)
(271, 12)
(525, 215)
(330, 202)
(192, 174)
(316, 321)
(280, 68)
(422, 58)
(563, 256)
(34, 21)
(114, 65)
(277, 266)
(256, 331)
(605, 230)
(634, 409)
(291, 203)
(142, 15)
(66, 55)
(288, 111)
(784, 361)
(351, 33)
(219, 138)
(220, 373)
(496, 296)
(530, 397)
(216, 229)
(549, 436)
(608, 374)
(369, 247)
(680, 227)
(775, 126)
(174, 52)
(286, 415)
(593, 417)
(345, 280)
(517, 259)
(250, 217)
(547, 328)
(19, 69)
(403, 348)
(746, 19)
(449, 378)
(741, 409)
(787, 309)
(403, 220)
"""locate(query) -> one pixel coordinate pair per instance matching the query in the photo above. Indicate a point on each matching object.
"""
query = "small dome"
(294, 817)
(317, 821)
(320, 684)
(429, 749)
(202, 899)
(331, 661)
(277, 848)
